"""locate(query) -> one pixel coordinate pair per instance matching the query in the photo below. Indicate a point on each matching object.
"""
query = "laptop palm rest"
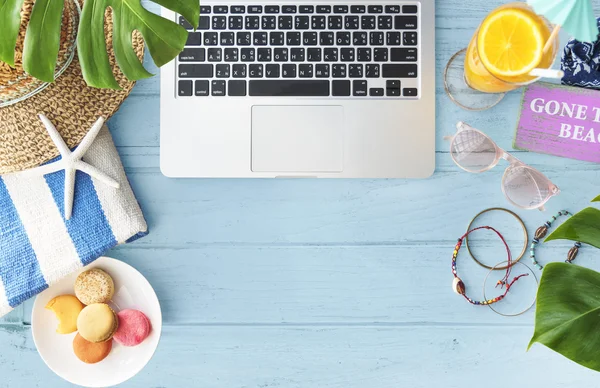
(288, 138)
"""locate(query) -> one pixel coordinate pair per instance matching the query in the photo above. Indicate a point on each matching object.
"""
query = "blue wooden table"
(329, 283)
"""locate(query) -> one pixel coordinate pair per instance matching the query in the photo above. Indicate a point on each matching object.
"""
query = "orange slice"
(510, 42)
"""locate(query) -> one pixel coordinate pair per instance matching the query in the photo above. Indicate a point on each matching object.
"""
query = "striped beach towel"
(38, 247)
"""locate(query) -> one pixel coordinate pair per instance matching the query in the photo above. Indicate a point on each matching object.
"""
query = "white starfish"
(71, 162)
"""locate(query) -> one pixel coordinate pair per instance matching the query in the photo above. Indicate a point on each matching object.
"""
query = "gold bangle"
(525, 236)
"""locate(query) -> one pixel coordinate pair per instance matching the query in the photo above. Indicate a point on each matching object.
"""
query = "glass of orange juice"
(507, 51)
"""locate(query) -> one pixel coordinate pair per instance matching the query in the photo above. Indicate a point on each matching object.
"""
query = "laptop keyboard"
(350, 51)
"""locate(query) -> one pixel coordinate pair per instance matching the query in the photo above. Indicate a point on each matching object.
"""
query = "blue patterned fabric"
(581, 63)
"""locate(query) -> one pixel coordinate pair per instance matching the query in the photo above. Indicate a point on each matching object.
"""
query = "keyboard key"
(192, 55)
(264, 54)
(380, 54)
(238, 70)
(372, 70)
(305, 70)
(238, 9)
(323, 8)
(409, 38)
(204, 23)
(376, 92)
(302, 22)
(293, 39)
(289, 9)
(289, 88)
(363, 55)
(359, 88)
(211, 38)
(255, 70)
(392, 92)
(218, 88)
(288, 71)
(384, 22)
(340, 9)
(409, 92)
(247, 54)
(318, 22)
(194, 39)
(201, 88)
(330, 54)
(326, 38)
(255, 9)
(219, 22)
(243, 38)
(227, 38)
(398, 70)
(340, 88)
(347, 54)
(392, 88)
(285, 22)
(403, 55)
(236, 88)
(252, 22)
(322, 70)
(204, 9)
(358, 9)
(307, 9)
(355, 70)
(338, 70)
(335, 22)
(297, 54)
(313, 54)
(260, 38)
(196, 71)
(281, 55)
(276, 38)
(185, 88)
(236, 22)
(220, 9)
(392, 38)
(309, 38)
(376, 38)
(409, 9)
(403, 22)
(269, 22)
(342, 38)
(272, 70)
(375, 9)
(367, 22)
(214, 54)
(351, 22)
(392, 9)
(222, 71)
(231, 54)
(271, 9)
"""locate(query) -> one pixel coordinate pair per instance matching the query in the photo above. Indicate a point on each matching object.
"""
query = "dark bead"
(572, 255)
(541, 232)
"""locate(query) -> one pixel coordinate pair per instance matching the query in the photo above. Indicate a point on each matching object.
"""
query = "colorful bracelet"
(459, 287)
(542, 231)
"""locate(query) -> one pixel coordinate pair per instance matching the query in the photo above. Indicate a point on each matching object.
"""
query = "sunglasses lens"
(526, 187)
(473, 151)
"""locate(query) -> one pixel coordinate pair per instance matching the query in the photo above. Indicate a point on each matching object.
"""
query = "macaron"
(134, 327)
(91, 352)
(97, 322)
(67, 309)
(94, 286)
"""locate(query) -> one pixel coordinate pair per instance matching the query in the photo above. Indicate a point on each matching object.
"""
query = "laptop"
(331, 89)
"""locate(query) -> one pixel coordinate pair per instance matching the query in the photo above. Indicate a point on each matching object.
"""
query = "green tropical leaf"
(164, 38)
(583, 226)
(567, 315)
(42, 39)
(597, 199)
(10, 23)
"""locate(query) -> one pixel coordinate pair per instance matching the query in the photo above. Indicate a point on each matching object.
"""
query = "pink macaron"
(134, 328)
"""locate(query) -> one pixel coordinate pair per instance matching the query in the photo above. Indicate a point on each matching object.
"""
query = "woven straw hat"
(68, 102)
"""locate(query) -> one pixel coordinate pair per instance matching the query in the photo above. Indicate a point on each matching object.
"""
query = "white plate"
(132, 290)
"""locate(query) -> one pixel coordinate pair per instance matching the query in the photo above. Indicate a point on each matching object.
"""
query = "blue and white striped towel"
(38, 247)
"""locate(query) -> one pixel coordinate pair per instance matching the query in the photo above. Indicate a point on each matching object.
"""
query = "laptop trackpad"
(297, 138)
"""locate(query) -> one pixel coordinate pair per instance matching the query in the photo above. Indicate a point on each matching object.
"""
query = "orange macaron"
(91, 352)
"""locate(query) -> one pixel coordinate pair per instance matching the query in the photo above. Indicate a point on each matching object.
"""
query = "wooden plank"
(327, 357)
(324, 285)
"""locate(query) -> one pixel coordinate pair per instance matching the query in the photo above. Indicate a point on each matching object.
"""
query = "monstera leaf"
(164, 38)
(583, 226)
(567, 315)
(597, 199)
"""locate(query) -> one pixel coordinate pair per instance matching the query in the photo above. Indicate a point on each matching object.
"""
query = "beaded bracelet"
(541, 232)
(459, 287)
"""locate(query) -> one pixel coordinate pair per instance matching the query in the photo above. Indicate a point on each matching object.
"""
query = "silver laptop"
(332, 89)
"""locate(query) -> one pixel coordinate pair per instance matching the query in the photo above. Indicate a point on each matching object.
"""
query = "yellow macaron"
(97, 322)
(67, 309)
